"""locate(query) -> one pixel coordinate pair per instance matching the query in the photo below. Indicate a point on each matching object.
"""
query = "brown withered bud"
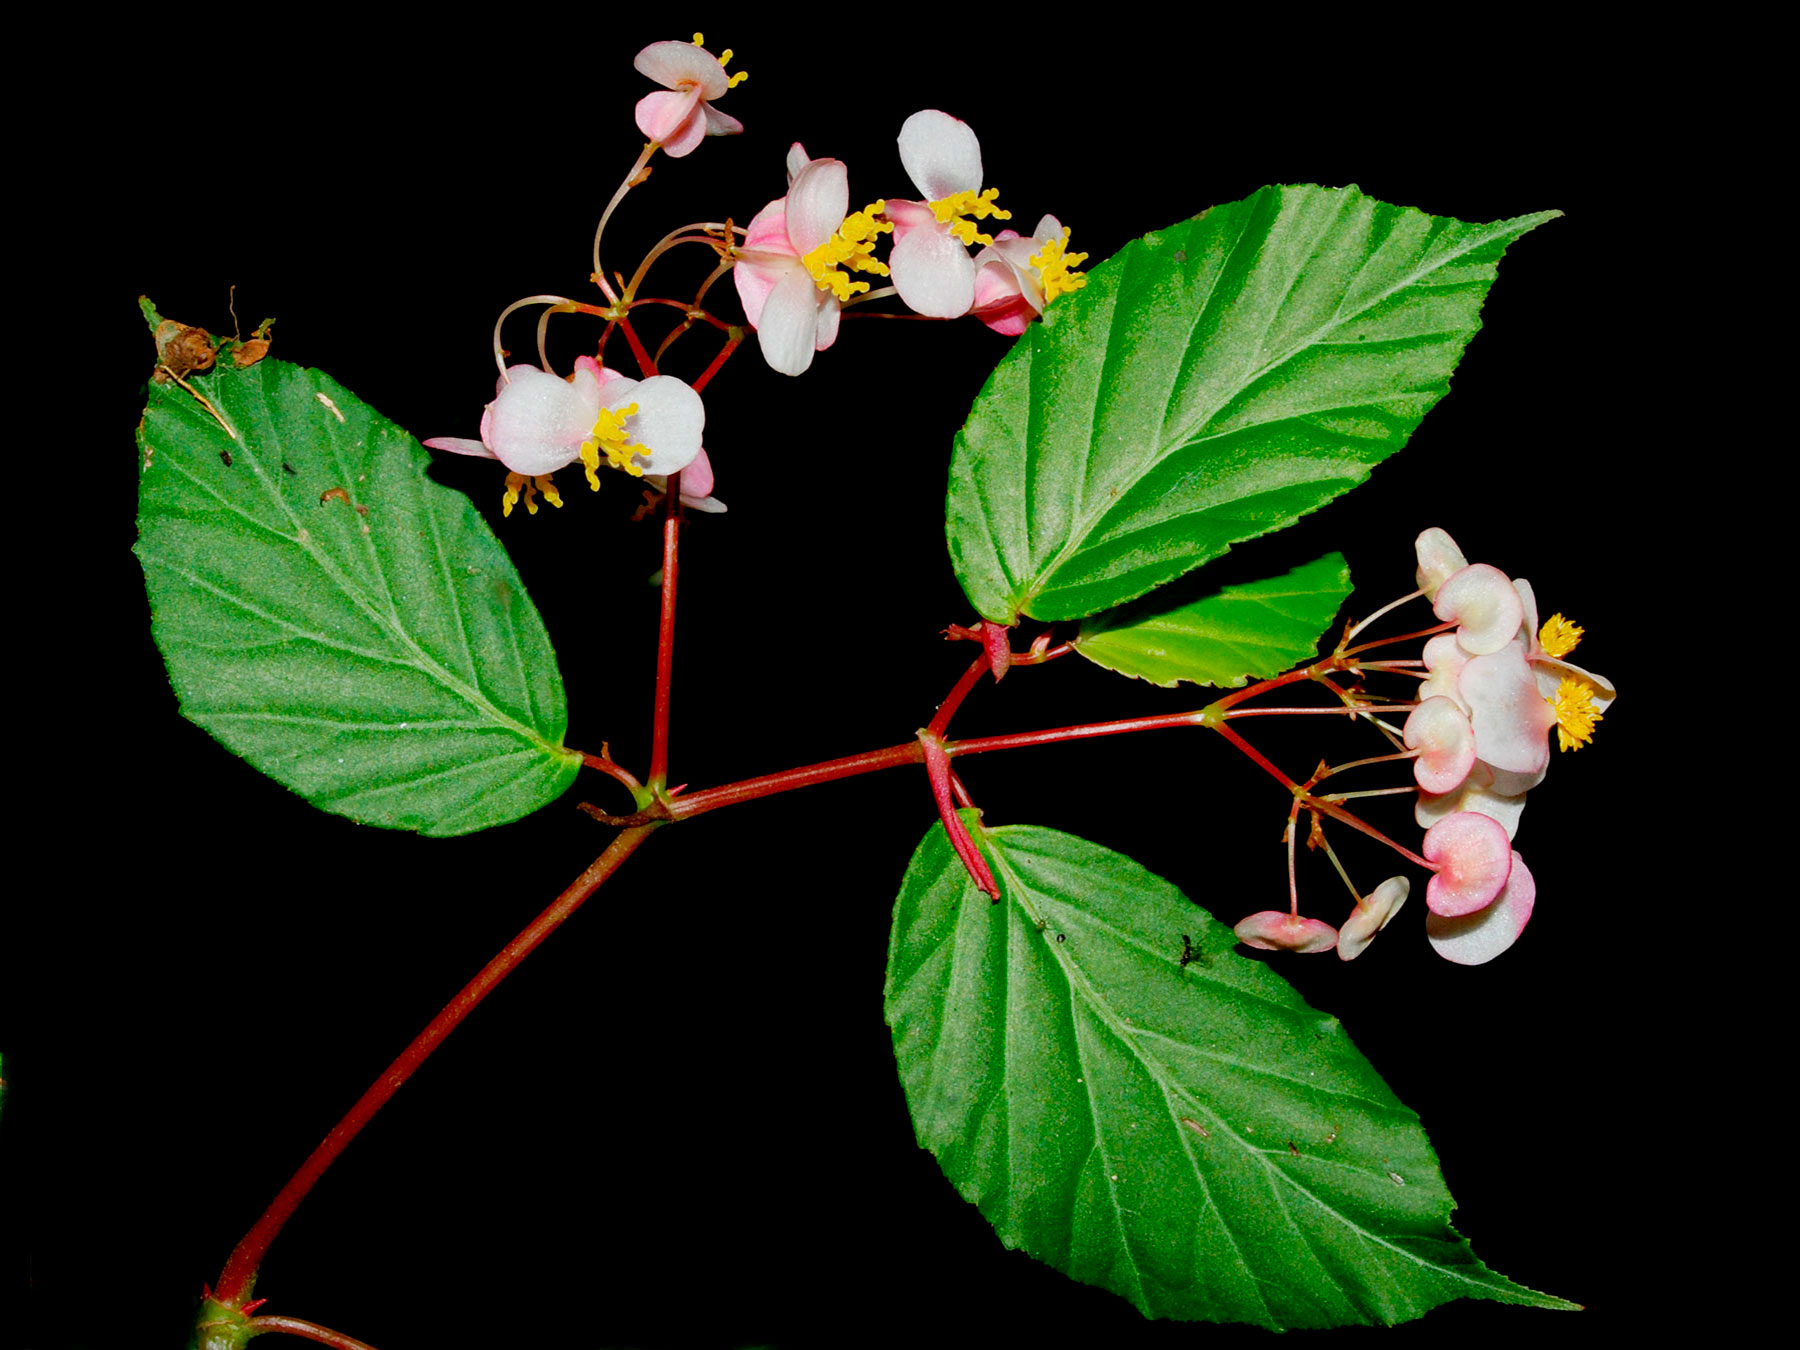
(250, 352)
(181, 350)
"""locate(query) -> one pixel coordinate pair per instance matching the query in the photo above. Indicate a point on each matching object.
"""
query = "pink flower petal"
(673, 64)
(1473, 856)
(940, 154)
(673, 119)
(1481, 599)
(1276, 930)
(1472, 939)
(1440, 730)
(460, 445)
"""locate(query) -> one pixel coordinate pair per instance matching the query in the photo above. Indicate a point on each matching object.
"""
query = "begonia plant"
(1214, 755)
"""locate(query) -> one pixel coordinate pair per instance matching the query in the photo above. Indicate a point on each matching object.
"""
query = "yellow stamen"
(1056, 267)
(979, 205)
(1573, 703)
(724, 57)
(609, 434)
(1558, 636)
(545, 486)
(852, 246)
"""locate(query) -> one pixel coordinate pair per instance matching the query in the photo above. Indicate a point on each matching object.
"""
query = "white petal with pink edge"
(1439, 560)
(1440, 731)
(816, 203)
(1476, 938)
(1372, 915)
(1511, 719)
(674, 64)
(1273, 930)
(1481, 599)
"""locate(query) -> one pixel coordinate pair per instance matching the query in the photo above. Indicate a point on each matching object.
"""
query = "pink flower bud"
(1471, 939)
(1273, 930)
(1473, 856)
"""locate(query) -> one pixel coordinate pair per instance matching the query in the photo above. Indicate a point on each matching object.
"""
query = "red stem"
(645, 363)
(239, 1275)
(311, 1331)
(665, 637)
(731, 345)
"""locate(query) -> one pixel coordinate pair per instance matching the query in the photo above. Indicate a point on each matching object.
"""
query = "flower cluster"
(801, 260)
(793, 268)
(1495, 684)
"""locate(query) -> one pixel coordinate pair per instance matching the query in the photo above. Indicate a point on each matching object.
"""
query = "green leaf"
(1224, 635)
(1212, 382)
(1190, 1136)
(352, 629)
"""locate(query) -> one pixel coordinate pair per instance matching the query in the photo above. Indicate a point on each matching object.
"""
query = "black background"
(679, 1123)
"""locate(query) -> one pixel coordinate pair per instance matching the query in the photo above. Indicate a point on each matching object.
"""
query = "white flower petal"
(669, 421)
(788, 327)
(1511, 719)
(933, 273)
(816, 203)
(540, 421)
(941, 154)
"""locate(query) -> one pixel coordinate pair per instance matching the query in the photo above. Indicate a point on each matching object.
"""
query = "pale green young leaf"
(1214, 381)
(1128, 1099)
(1221, 635)
(351, 628)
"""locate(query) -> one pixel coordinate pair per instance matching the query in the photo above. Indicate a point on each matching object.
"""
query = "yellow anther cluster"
(1558, 636)
(1055, 267)
(531, 487)
(852, 246)
(724, 59)
(1573, 703)
(609, 435)
(979, 205)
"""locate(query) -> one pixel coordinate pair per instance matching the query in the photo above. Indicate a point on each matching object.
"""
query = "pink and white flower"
(1016, 276)
(933, 271)
(788, 271)
(694, 77)
(539, 423)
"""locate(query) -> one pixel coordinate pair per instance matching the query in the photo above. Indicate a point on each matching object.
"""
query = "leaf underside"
(1224, 634)
(1212, 382)
(1192, 1137)
(351, 628)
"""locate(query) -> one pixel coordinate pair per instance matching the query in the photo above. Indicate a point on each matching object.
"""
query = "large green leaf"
(1187, 1134)
(351, 628)
(1223, 634)
(1211, 383)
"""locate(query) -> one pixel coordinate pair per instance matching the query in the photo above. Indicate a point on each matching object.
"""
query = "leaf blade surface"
(1211, 383)
(326, 611)
(1192, 1137)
